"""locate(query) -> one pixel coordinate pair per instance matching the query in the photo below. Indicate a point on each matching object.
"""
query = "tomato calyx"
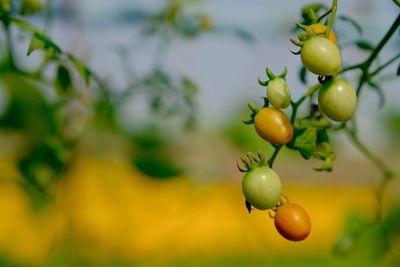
(251, 161)
(309, 32)
(255, 110)
(283, 200)
(272, 76)
(278, 92)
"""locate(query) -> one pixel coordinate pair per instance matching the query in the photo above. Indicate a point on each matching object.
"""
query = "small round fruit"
(278, 93)
(292, 222)
(321, 56)
(261, 187)
(337, 99)
(273, 125)
(320, 28)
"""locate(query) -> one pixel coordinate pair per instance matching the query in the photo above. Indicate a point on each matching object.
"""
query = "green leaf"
(305, 141)
(398, 68)
(81, 68)
(35, 44)
(364, 45)
(377, 88)
(303, 75)
(64, 81)
(397, 2)
(352, 22)
(326, 166)
(322, 135)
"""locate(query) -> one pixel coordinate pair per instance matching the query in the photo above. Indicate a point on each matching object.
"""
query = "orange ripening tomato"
(273, 125)
(292, 222)
(320, 28)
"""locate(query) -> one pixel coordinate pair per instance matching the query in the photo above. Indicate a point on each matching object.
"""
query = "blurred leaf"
(189, 85)
(377, 88)
(63, 81)
(243, 34)
(364, 45)
(322, 135)
(352, 22)
(327, 166)
(305, 140)
(27, 109)
(156, 165)
(82, 69)
(35, 45)
(398, 68)
(397, 2)
(303, 74)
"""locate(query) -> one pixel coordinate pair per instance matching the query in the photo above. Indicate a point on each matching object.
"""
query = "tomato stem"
(332, 18)
(380, 68)
(387, 172)
(6, 24)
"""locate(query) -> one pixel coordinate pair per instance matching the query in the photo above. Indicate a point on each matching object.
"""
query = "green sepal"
(248, 122)
(248, 206)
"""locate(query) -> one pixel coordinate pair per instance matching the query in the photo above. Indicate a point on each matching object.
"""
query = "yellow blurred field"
(109, 210)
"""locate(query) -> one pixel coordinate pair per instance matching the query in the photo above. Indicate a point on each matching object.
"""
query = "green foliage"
(152, 155)
(364, 45)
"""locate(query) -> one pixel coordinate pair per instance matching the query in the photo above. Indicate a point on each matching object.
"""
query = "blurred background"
(127, 157)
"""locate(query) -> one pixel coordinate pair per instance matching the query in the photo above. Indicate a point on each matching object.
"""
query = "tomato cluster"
(337, 100)
(261, 185)
(320, 55)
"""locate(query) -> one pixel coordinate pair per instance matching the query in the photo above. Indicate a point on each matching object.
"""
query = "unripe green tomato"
(31, 6)
(262, 187)
(278, 93)
(321, 56)
(337, 99)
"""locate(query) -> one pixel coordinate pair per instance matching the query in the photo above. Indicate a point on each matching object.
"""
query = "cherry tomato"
(337, 99)
(292, 222)
(320, 56)
(261, 187)
(273, 125)
(320, 28)
(278, 93)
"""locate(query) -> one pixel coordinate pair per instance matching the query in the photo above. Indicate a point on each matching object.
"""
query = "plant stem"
(274, 155)
(387, 173)
(332, 18)
(351, 67)
(380, 68)
(367, 64)
(6, 24)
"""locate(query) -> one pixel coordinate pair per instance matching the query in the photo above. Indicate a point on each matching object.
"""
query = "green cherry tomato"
(337, 99)
(261, 187)
(278, 93)
(273, 125)
(321, 56)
